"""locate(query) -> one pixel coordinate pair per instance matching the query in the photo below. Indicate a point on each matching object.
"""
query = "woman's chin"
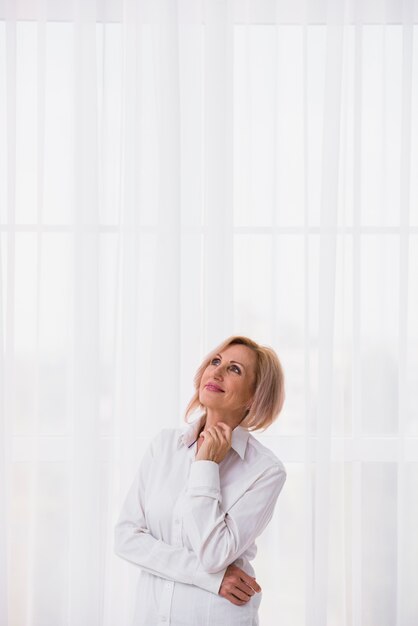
(210, 401)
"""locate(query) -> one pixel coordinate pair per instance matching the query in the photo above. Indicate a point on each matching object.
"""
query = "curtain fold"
(326, 299)
(172, 173)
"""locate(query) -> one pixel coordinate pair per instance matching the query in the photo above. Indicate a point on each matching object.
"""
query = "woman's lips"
(213, 388)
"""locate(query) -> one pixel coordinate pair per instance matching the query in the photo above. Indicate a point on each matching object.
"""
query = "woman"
(203, 493)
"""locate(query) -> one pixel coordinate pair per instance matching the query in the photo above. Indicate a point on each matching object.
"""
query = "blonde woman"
(204, 493)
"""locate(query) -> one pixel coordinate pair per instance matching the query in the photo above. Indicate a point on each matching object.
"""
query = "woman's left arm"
(218, 537)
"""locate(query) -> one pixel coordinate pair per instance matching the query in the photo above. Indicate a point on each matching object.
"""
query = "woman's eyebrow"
(232, 361)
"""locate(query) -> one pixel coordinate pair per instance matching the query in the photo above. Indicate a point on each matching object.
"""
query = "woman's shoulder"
(170, 437)
(265, 455)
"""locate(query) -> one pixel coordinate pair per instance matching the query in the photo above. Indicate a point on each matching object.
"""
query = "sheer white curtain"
(172, 173)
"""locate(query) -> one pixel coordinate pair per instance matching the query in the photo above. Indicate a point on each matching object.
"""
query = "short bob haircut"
(269, 386)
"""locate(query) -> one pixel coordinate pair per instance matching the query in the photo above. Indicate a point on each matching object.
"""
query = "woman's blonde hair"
(269, 393)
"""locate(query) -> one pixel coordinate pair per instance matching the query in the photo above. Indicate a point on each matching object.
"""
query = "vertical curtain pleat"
(327, 272)
(85, 538)
(34, 521)
(128, 331)
(166, 302)
(403, 590)
(356, 373)
(308, 448)
(218, 210)
(191, 102)
(7, 374)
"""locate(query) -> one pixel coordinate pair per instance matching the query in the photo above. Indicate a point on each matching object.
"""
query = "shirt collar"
(238, 442)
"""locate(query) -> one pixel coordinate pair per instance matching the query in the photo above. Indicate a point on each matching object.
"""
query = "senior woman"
(203, 494)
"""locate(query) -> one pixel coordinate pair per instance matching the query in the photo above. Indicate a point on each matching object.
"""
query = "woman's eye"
(237, 369)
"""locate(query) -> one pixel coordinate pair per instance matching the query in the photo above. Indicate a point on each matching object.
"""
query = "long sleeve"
(134, 542)
(218, 538)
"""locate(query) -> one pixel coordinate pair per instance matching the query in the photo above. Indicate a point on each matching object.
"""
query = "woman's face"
(233, 374)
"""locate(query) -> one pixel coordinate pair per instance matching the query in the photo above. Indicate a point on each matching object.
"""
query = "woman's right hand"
(237, 586)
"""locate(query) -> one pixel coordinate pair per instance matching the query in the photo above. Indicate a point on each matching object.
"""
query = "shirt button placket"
(168, 587)
(164, 613)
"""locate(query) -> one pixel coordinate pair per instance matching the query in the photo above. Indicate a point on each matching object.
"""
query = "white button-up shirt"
(184, 521)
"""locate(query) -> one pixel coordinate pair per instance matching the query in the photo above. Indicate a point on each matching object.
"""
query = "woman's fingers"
(216, 443)
(226, 430)
(217, 434)
(224, 426)
(234, 599)
(241, 594)
(237, 586)
(250, 581)
(212, 433)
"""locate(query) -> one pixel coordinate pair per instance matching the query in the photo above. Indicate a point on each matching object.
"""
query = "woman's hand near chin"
(216, 443)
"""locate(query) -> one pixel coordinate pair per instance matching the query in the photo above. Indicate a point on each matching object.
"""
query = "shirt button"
(177, 522)
(163, 619)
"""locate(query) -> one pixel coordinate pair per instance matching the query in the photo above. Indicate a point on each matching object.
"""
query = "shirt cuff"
(204, 479)
(210, 582)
